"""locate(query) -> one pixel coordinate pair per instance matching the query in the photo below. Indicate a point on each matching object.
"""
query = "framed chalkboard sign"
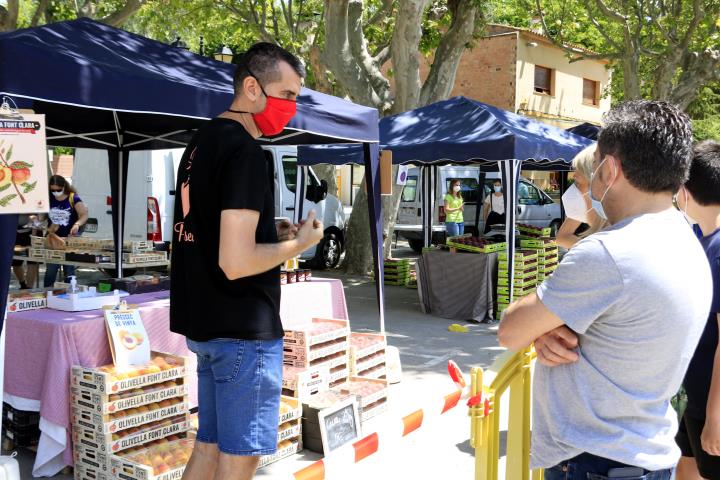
(339, 424)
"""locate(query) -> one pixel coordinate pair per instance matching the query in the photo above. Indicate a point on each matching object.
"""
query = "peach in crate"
(110, 379)
(161, 461)
(132, 437)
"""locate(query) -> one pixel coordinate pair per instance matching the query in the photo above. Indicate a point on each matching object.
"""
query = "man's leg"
(687, 469)
(249, 382)
(51, 270)
(204, 460)
(235, 467)
(695, 463)
(31, 274)
(19, 272)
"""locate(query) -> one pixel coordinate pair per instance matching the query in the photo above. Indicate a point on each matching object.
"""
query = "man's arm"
(240, 256)
(524, 321)
(710, 437)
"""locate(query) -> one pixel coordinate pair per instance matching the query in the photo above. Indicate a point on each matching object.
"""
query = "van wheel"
(416, 245)
(327, 253)
(554, 227)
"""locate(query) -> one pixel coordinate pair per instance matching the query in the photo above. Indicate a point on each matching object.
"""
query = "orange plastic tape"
(316, 471)
(366, 446)
(412, 422)
(451, 400)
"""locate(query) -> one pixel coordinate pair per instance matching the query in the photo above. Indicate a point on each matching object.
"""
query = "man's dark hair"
(704, 180)
(262, 62)
(653, 141)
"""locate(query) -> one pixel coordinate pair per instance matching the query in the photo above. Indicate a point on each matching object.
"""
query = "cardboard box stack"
(289, 431)
(526, 275)
(320, 344)
(117, 413)
(548, 254)
(372, 395)
(367, 355)
(397, 271)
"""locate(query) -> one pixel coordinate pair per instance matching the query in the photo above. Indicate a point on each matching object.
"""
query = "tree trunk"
(406, 54)
(391, 204)
(9, 15)
(358, 250)
(631, 76)
(327, 173)
(123, 14)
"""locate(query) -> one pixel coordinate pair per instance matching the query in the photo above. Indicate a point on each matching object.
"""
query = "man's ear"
(251, 88)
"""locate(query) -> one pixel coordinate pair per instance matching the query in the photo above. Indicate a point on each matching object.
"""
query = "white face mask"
(573, 201)
(456, 188)
(58, 194)
(689, 219)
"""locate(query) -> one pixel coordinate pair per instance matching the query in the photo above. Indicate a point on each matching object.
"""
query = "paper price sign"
(129, 342)
(23, 165)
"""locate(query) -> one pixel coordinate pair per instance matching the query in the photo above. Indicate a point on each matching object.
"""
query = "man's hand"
(286, 230)
(557, 347)
(710, 438)
(74, 230)
(311, 231)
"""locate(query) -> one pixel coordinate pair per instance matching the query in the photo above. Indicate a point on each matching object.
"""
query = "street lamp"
(179, 43)
(224, 54)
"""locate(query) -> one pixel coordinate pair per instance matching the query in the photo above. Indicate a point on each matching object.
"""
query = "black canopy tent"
(118, 91)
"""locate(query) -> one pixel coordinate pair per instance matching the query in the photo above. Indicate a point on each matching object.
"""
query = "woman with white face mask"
(494, 208)
(454, 206)
(68, 214)
(580, 218)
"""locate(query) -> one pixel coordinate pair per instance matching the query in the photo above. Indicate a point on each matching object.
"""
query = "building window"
(591, 92)
(543, 80)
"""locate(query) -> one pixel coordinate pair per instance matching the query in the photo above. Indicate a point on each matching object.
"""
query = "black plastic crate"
(19, 418)
(23, 436)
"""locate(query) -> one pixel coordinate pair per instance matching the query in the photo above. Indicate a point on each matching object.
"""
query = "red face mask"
(277, 114)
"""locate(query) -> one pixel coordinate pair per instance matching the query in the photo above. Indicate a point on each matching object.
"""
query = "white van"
(535, 207)
(151, 197)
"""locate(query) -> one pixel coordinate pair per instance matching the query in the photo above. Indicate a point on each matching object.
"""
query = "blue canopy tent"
(587, 130)
(102, 87)
(462, 130)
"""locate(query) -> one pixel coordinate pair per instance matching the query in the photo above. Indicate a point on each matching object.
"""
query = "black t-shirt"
(223, 168)
(699, 374)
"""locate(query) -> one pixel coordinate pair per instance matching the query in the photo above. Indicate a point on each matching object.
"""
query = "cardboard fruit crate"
(133, 258)
(117, 442)
(306, 356)
(291, 429)
(488, 248)
(88, 257)
(339, 373)
(91, 458)
(550, 268)
(290, 409)
(165, 461)
(529, 272)
(376, 372)
(368, 390)
(519, 265)
(36, 253)
(316, 332)
(501, 307)
(103, 403)
(55, 255)
(37, 242)
(367, 362)
(107, 379)
(373, 410)
(530, 280)
(286, 448)
(83, 472)
(302, 383)
(517, 291)
(521, 255)
(533, 231)
(132, 418)
(394, 262)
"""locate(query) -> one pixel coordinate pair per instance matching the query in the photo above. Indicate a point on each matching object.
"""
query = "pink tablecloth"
(42, 345)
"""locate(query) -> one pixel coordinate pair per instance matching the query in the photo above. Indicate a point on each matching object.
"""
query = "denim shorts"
(590, 467)
(239, 386)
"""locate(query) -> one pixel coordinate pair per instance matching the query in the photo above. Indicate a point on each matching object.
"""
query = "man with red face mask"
(225, 289)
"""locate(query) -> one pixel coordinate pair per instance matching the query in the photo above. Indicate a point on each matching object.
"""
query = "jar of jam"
(291, 277)
(283, 278)
(308, 275)
(300, 275)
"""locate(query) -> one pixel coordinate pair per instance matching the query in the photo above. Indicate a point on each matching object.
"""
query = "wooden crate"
(37, 242)
(36, 253)
(123, 420)
(55, 255)
(316, 332)
(302, 383)
(306, 355)
(136, 258)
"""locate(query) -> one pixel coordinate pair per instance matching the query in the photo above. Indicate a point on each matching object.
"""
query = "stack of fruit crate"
(118, 412)
(289, 431)
(367, 355)
(372, 395)
(548, 254)
(526, 275)
(397, 271)
(321, 343)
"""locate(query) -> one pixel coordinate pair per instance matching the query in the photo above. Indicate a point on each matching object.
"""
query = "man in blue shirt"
(699, 433)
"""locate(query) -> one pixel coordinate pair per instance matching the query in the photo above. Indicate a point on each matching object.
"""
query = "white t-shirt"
(497, 204)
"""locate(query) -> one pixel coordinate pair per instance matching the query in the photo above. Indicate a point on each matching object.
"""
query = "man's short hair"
(704, 180)
(262, 61)
(653, 141)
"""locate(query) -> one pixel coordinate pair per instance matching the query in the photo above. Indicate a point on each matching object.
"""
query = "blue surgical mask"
(497, 189)
(597, 204)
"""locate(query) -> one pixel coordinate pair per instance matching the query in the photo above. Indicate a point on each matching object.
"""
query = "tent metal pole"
(372, 181)
(121, 199)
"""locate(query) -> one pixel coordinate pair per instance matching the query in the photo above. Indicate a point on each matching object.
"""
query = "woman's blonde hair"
(583, 165)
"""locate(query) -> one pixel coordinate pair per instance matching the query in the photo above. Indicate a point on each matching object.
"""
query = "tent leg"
(510, 170)
(118, 163)
(8, 228)
(372, 180)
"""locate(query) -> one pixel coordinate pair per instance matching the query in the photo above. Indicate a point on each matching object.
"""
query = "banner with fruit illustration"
(129, 341)
(23, 165)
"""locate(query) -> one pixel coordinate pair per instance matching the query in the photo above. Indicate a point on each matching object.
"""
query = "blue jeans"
(454, 229)
(51, 271)
(239, 387)
(590, 467)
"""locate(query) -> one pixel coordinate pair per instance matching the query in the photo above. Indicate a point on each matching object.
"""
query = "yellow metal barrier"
(511, 371)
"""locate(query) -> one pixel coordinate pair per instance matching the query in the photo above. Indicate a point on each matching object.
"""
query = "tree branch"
(123, 14)
(698, 69)
(406, 53)
(382, 12)
(383, 56)
(41, 8)
(359, 49)
(610, 13)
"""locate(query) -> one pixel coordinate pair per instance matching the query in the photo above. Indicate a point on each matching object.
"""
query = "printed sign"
(129, 341)
(339, 424)
(402, 174)
(23, 165)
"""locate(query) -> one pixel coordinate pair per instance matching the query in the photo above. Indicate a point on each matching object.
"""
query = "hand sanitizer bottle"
(73, 284)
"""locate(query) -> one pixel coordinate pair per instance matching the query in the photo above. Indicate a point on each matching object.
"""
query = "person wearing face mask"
(615, 326)
(225, 278)
(67, 216)
(494, 208)
(699, 433)
(454, 207)
(581, 220)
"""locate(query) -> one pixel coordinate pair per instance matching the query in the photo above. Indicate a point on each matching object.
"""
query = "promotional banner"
(23, 164)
